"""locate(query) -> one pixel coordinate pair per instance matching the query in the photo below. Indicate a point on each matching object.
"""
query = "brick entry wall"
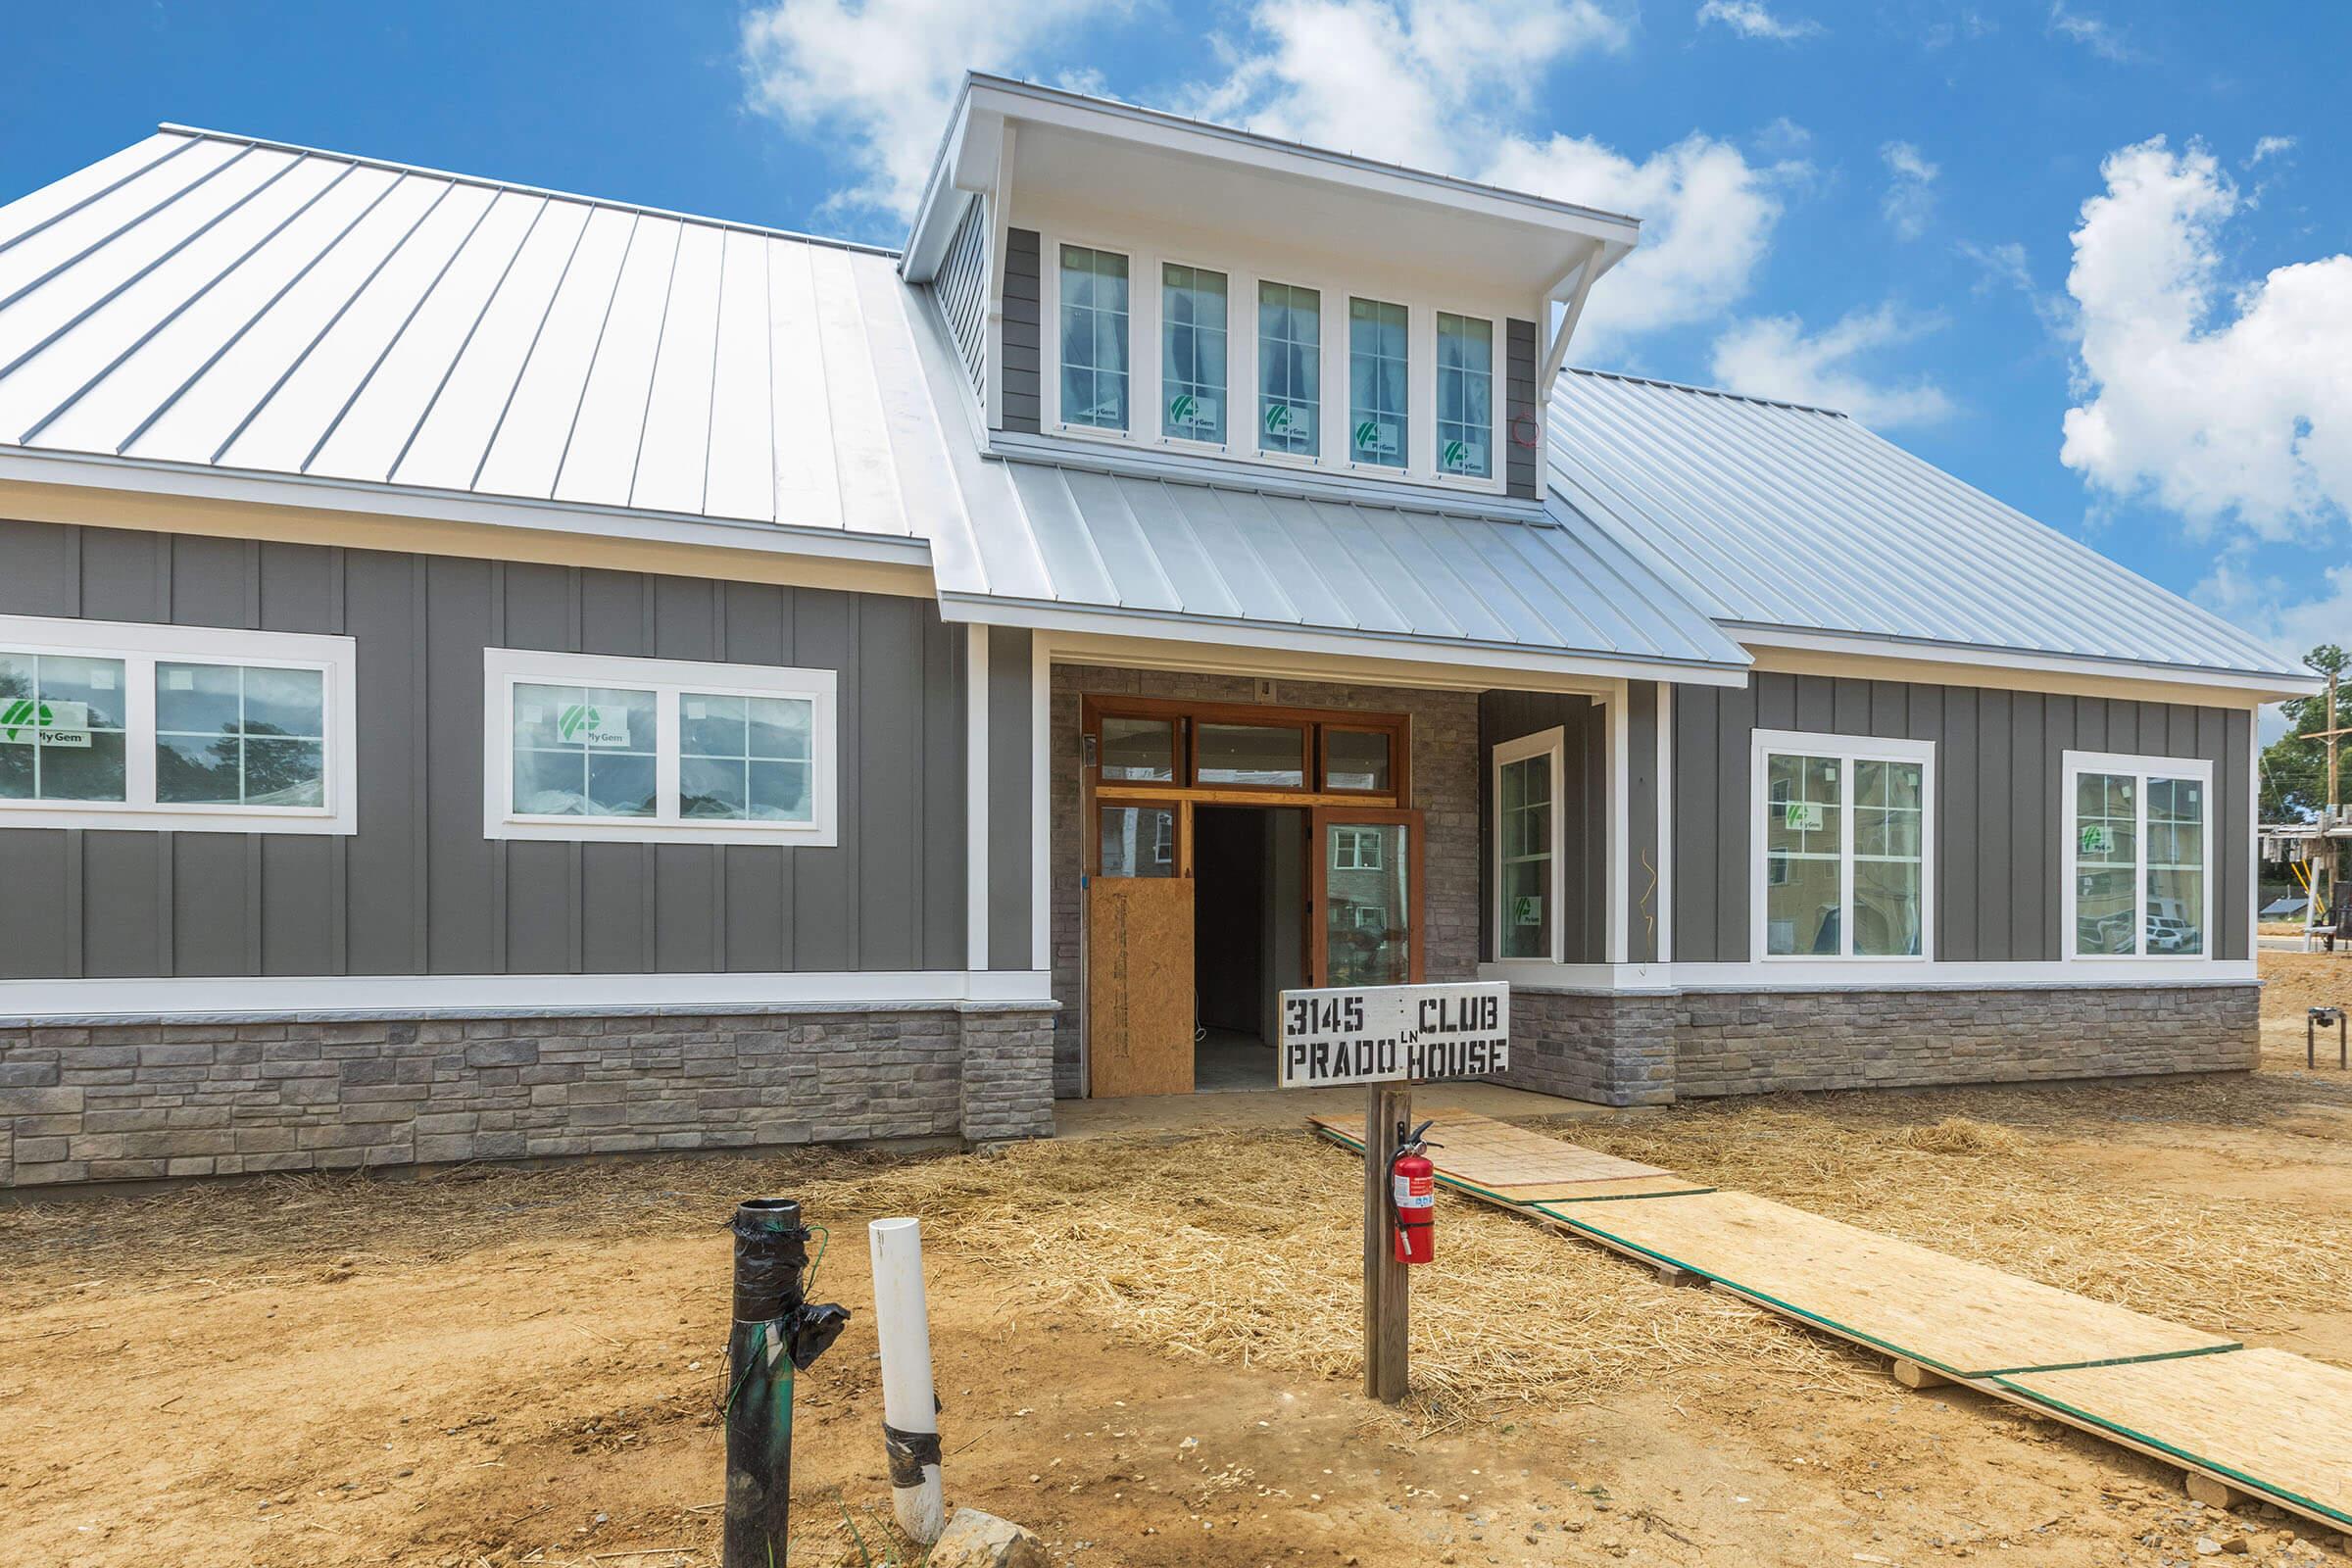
(148, 1102)
(1650, 1050)
(1445, 775)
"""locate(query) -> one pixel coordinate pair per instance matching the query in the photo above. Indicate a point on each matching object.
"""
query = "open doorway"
(1250, 920)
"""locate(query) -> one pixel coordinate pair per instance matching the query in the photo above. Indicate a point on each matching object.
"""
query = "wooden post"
(1387, 1115)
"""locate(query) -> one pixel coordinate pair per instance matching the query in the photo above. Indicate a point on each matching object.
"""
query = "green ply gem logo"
(1801, 817)
(2097, 839)
(1183, 409)
(1278, 418)
(1457, 457)
(21, 714)
(586, 724)
(48, 724)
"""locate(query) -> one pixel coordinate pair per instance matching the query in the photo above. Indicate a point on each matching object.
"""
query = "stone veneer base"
(1651, 1049)
(105, 1101)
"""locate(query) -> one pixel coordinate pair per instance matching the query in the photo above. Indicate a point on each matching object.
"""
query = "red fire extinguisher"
(1413, 1196)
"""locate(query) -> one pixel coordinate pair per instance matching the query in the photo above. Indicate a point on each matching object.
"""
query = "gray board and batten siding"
(1522, 410)
(1998, 817)
(1024, 332)
(1505, 717)
(419, 889)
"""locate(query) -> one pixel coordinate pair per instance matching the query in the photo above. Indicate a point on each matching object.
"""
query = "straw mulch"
(1248, 1250)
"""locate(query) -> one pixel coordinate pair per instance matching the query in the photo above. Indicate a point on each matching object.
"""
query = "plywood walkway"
(2263, 1423)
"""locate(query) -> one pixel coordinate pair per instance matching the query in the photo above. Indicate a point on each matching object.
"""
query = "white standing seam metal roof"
(238, 305)
(226, 307)
(1776, 516)
(1442, 584)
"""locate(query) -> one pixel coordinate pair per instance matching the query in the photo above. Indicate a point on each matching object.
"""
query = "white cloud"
(1774, 358)
(1433, 83)
(1443, 84)
(1707, 216)
(1910, 197)
(878, 75)
(2102, 38)
(1751, 20)
(2217, 403)
(2270, 147)
(1447, 85)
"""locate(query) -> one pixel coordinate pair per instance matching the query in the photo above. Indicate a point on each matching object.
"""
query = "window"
(1842, 830)
(1192, 353)
(1355, 759)
(1376, 383)
(1465, 395)
(1527, 834)
(1138, 841)
(656, 750)
(1290, 369)
(179, 728)
(1267, 756)
(1140, 750)
(1093, 338)
(2139, 883)
(1358, 848)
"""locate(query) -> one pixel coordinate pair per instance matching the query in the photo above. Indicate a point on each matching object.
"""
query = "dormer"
(1129, 289)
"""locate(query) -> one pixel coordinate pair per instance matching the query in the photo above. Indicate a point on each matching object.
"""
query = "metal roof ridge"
(1705, 391)
(396, 166)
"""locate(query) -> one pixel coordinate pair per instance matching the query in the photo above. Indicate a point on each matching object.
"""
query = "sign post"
(1388, 1038)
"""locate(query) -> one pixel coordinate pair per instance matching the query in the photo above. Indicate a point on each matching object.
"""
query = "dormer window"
(1290, 369)
(1377, 363)
(1192, 353)
(1465, 395)
(1093, 338)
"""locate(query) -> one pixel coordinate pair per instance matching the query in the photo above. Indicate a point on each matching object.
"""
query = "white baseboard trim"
(1835, 974)
(537, 995)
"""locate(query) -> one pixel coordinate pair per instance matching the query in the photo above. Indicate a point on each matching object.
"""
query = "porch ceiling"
(1074, 549)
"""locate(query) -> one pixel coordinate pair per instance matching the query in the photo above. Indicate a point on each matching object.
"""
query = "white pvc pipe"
(903, 1325)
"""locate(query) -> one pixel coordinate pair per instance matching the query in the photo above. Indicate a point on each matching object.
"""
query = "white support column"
(975, 789)
(1040, 794)
(1665, 795)
(1620, 834)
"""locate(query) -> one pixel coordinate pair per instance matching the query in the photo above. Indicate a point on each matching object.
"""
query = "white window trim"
(2074, 763)
(666, 678)
(140, 647)
(1847, 750)
(1552, 745)
(1336, 287)
(1498, 395)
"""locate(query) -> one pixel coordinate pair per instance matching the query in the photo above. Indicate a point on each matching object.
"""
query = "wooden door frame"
(1318, 884)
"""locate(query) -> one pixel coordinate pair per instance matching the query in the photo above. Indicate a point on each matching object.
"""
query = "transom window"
(1465, 395)
(2139, 882)
(656, 750)
(1841, 836)
(1378, 361)
(1165, 749)
(1093, 338)
(1290, 369)
(1192, 353)
(185, 728)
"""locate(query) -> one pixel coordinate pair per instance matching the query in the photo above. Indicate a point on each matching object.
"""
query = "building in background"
(488, 674)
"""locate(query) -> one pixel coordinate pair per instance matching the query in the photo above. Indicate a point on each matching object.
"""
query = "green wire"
(824, 1240)
(751, 1359)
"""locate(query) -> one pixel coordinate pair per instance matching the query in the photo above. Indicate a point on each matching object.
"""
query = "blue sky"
(1877, 206)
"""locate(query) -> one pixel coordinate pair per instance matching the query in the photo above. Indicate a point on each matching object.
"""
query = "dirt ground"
(1147, 1349)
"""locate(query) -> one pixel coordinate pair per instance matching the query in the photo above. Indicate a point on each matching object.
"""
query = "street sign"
(1391, 1034)
(1390, 1037)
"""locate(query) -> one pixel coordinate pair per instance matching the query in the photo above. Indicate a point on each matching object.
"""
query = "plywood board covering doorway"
(1140, 985)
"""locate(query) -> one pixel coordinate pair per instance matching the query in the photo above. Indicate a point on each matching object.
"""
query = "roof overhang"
(186, 498)
(1111, 159)
(1800, 651)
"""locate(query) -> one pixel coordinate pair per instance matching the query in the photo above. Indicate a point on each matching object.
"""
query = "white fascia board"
(1466, 666)
(423, 995)
(1154, 128)
(246, 488)
(1799, 651)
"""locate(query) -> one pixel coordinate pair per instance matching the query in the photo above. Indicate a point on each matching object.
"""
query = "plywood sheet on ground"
(1511, 1161)
(1959, 1317)
(2277, 1423)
